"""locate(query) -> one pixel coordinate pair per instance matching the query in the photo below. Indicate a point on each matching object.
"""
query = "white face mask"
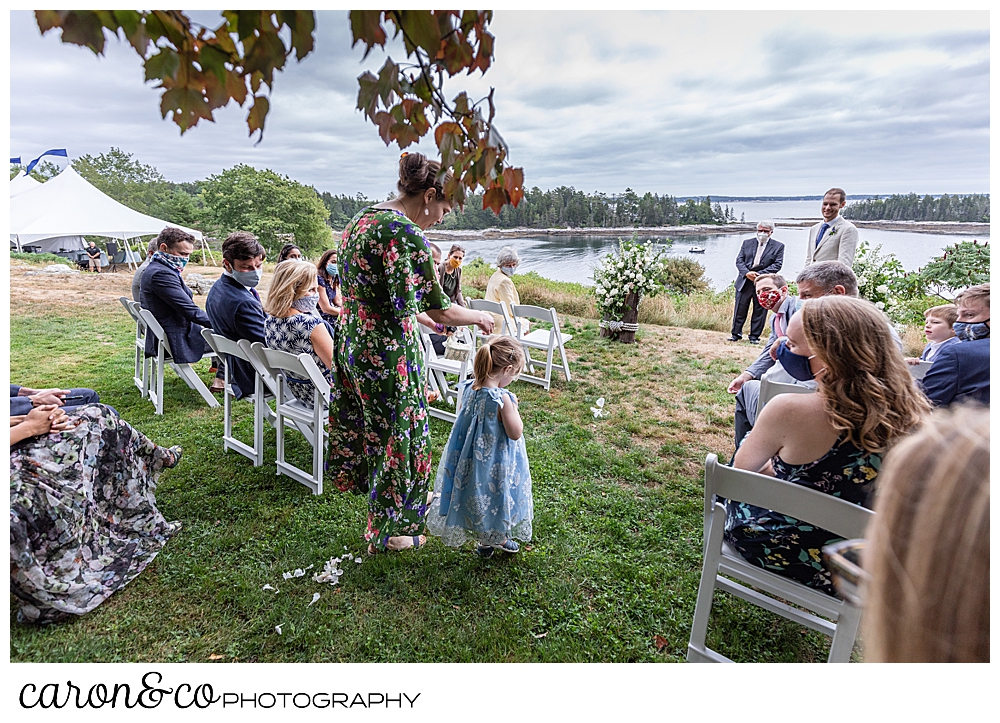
(762, 236)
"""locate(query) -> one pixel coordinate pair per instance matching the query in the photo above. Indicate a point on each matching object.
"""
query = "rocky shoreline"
(934, 227)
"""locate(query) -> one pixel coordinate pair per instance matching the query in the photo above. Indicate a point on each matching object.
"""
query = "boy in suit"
(937, 329)
(961, 372)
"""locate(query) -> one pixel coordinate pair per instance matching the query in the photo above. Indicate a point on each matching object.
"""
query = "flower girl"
(483, 487)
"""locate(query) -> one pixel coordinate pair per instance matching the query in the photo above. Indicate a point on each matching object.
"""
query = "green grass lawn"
(615, 560)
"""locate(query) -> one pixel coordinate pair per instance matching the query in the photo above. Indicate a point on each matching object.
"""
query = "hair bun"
(417, 174)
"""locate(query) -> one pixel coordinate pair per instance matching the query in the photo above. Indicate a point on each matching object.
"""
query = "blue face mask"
(509, 270)
(307, 304)
(178, 262)
(247, 278)
(332, 270)
(971, 331)
(795, 364)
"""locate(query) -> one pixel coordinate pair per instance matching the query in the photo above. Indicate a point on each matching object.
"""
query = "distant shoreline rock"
(938, 227)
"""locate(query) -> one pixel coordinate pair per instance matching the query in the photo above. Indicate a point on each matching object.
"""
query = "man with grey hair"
(501, 289)
(757, 256)
(150, 250)
(825, 278)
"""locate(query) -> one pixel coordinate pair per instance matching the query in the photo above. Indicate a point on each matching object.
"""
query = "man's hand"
(738, 382)
(912, 361)
(773, 351)
(48, 396)
(752, 275)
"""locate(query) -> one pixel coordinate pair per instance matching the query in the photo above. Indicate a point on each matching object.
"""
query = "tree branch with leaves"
(201, 70)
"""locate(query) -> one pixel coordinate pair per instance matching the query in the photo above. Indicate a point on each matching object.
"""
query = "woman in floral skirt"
(83, 515)
(379, 435)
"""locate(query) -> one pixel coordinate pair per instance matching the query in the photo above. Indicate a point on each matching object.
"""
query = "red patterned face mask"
(769, 299)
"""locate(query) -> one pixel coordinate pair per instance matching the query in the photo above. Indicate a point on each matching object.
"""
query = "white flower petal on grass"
(315, 598)
(269, 586)
(310, 567)
(600, 402)
(277, 629)
(286, 576)
(357, 560)
(299, 572)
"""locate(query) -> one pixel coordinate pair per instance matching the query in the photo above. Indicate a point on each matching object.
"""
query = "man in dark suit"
(23, 399)
(757, 256)
(171, 302)
(961, 372)
(234, 305)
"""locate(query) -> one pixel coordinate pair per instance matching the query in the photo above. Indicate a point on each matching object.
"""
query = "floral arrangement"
(633, 268)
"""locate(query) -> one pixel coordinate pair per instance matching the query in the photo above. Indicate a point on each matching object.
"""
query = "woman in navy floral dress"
(379, 435)
(831, 441)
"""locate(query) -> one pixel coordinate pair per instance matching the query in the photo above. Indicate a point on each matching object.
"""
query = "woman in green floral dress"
(379, 433)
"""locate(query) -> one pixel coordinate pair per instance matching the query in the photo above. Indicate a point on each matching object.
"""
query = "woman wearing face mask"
(501, 289)
(291, 326)
(379, 435)
(831, 441)
(450, 275)
(330, 301)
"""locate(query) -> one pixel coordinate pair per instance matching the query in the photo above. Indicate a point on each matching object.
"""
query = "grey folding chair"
(769, 390)
(917, 371)
(547, 340)
(839, 618)
(224, 347)
(492, 307)
(164, 356)
(311, 420)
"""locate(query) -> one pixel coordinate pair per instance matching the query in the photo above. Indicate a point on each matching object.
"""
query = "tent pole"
(205, 248)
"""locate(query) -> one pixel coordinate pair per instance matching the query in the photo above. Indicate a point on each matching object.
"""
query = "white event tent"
(68, 206)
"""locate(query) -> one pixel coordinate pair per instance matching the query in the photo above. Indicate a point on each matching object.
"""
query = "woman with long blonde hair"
(831, 441)
(290, 324)
(928, 546)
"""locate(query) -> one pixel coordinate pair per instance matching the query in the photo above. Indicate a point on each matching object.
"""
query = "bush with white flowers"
(633, 268)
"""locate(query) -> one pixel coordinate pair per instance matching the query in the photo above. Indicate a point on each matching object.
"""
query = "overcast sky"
(687, 103)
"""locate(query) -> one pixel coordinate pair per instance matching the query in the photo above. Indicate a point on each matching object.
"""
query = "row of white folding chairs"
(270, 382)
(148, 372)
(547, 340)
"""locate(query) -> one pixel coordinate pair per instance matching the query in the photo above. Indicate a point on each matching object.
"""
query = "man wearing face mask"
(757, 256)
(166, 296)
(961, 372)
(234, 305)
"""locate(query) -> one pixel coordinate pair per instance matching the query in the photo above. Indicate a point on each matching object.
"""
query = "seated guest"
(290, 325)
(438, 333)
(500, 288)
(772, 294)
(171, 302)
(233, 304)
(331, 303)
(927, 555)
(137, 276)
(450, 275)
(831, 441)
(961, 372)
(83, 515)
(93, 257)
(22, 399)
(289, 251)
(937, 329)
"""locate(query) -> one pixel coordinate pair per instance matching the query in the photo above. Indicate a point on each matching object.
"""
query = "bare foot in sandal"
(395, 544)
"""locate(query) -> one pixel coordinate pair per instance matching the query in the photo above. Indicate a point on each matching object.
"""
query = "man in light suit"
(233, 304)
(758, 256)
(834, 238)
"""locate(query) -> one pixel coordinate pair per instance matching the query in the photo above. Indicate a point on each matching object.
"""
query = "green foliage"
(41, 173)
(138, 186)
(963, 264)
(970, 208)
(267, 204)
(683, 276)
(343, 208)
(39, 258)
(565, 207)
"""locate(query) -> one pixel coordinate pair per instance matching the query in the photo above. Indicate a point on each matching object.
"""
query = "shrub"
(40, 258)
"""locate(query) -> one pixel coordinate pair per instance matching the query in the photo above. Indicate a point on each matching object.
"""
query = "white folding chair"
(809, 505)
(769, 390)
(437, 368)
(311, 420)
(546, 339)
(492, 307)
(164, 356)
(141, 374)
(917, 371)
(224, 347)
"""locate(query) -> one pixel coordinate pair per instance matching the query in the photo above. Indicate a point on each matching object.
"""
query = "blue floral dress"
(787, 546)
(483, 487)
(292, 334)
(379, 436)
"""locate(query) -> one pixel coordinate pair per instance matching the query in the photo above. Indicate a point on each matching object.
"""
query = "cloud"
(742, 103)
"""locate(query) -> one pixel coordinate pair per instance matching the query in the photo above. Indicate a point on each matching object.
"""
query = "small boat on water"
(696, 250)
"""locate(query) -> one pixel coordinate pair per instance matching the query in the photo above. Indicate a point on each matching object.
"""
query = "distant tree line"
(911, 207)
(566, 207)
